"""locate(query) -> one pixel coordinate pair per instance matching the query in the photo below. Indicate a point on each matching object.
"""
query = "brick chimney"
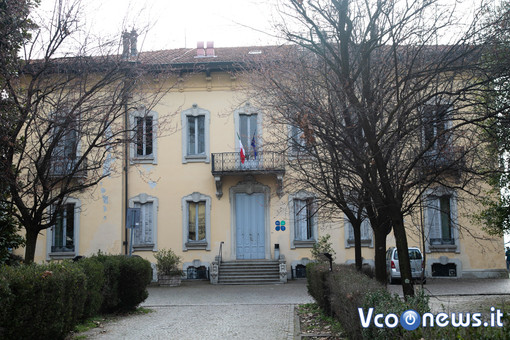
(200, 49)
(210, 49)
(125, 45)
(134, 38)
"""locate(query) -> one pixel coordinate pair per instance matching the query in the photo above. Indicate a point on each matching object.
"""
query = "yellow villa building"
(199, 197)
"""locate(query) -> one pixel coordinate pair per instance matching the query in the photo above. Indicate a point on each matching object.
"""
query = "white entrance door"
(250, 226)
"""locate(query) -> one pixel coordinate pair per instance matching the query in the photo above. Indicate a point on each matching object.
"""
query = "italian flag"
(241, 152)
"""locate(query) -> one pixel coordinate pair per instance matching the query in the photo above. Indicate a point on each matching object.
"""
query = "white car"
(393, 268)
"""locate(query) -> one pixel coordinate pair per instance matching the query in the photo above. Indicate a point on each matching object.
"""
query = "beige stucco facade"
(168, 180)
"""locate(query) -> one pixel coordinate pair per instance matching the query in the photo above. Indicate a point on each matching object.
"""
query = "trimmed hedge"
(43, 301)
(126, 281)
(47, 301)
(341, 292)
(94, 270)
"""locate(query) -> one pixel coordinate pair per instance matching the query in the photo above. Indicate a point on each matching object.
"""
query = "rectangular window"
(63, 231)
(196, 221)
(439, 215)
(196, 135)
(143, 234)
(297, 140)
(247, 132)
(303, 219)
(144, 136)
(435, 126)
(366, 232)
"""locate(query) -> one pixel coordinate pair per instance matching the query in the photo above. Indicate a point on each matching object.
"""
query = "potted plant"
(168, 266)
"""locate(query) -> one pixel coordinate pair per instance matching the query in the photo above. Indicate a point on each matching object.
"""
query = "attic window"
(255, 52)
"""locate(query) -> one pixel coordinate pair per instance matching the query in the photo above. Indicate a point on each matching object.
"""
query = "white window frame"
(447, 126)
(367, 237)
(248, 110)
(76, 235)
(186, 243)
(296, 243)
(195, 111)
(144, 199)
(432, 213)
(145, 159)
(63, 159)
(295, 141)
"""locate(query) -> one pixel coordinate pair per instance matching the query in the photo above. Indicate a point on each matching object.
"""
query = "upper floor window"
(196, 221)
(297, 140)
(144, 128)
(248, 125)
(195, 135)
(144, 138)
(441, 221)
(436, 121)
(65, 134)
(303, 219)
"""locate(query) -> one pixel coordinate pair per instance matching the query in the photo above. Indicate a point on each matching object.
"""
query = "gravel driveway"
(198, 310)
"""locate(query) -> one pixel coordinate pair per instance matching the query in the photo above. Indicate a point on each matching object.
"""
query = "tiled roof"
(221, 55)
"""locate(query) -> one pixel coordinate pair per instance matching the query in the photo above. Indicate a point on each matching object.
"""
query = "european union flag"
(254, 146)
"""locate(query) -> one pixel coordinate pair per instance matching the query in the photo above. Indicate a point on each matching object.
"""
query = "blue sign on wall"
(280, 225)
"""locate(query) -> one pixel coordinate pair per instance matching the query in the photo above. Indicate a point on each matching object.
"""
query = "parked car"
(393, 267)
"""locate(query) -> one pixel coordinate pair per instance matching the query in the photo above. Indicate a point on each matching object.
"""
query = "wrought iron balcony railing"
(63, 167)
(447, 160)
(230, 163)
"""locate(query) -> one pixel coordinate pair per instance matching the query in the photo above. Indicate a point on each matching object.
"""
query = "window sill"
(143, 247)
(445, 248)
(364, 243)
(196, 245)
(62, 255)
(196, 159)
(304, 244)
(143, 160)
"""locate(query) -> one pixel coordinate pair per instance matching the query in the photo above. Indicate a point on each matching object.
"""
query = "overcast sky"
(181, 23)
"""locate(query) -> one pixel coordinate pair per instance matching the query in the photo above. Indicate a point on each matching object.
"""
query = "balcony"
(449, 160)
(63, 167)
(229, 164)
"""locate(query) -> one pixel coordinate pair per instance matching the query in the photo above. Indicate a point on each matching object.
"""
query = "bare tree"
(386, 113)
(70, 121)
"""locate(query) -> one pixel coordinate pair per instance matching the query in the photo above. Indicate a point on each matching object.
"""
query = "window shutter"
(148, 227)
(300, 219)
(433, 218)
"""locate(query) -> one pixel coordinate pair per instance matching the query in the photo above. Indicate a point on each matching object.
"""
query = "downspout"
(126, 173)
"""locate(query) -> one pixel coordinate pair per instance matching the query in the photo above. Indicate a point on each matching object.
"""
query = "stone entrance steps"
(245, 272)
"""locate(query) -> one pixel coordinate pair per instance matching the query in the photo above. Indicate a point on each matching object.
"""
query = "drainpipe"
(126, 173)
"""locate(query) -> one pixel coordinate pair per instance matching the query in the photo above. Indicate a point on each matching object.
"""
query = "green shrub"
(135, 276)
(168, 263)
(348, 289)
(316, 276)
(385, 303)
(110, 289)
(94, 271)
(126, 281)
(43, 301)
(323, 245)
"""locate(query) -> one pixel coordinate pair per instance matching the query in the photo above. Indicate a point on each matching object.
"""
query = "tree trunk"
(380, 254)
(31, 241)
(403, 257)
(357, 245)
